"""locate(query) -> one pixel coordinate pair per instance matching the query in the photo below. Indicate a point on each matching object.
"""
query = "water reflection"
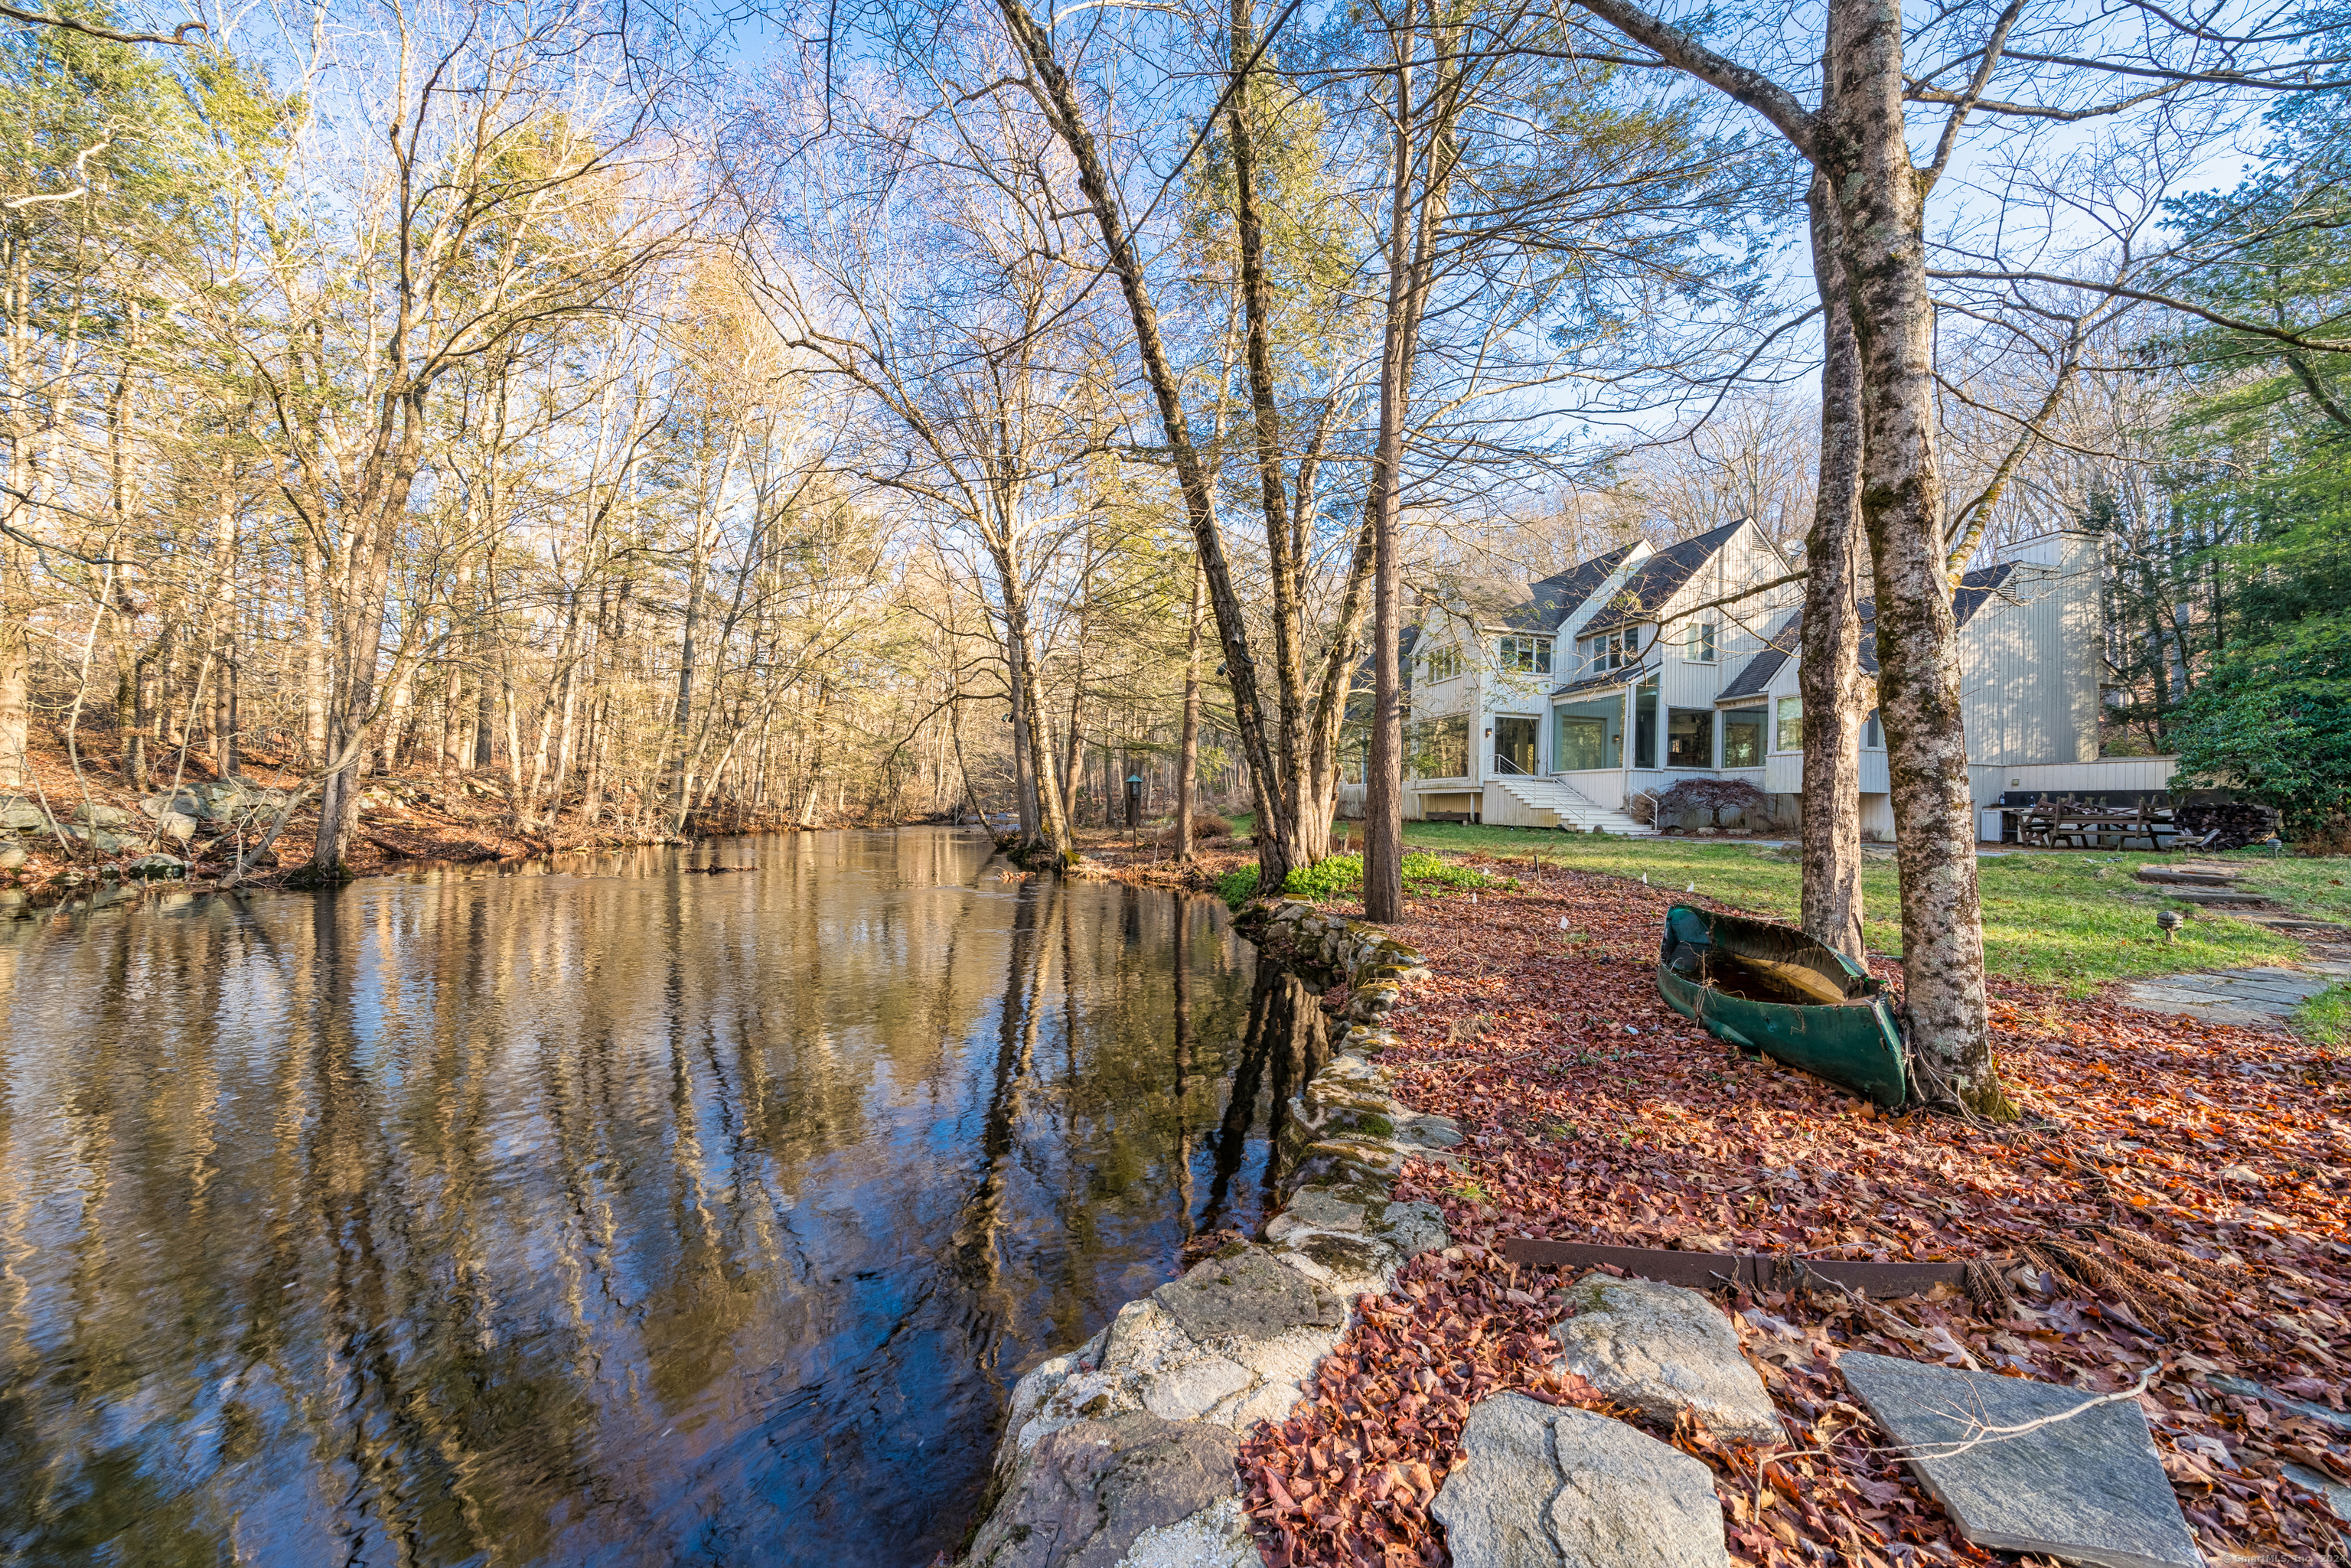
(602, 1212)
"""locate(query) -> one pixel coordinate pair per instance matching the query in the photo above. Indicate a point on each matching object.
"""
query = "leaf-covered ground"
(2174, 1206)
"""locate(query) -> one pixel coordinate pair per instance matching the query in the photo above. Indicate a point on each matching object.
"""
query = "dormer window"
(1532, 655)
(1612, 651)
(1442, 663)
(1698, 643)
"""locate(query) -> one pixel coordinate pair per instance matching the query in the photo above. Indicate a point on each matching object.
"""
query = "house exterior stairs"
(1539, 802)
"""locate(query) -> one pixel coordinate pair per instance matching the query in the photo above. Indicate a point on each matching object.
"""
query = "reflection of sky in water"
(603, 1213)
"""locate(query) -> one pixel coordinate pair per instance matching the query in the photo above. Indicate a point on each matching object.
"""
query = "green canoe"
(1767, 988)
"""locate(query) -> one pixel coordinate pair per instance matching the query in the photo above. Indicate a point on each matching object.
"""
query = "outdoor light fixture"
(2169, 921)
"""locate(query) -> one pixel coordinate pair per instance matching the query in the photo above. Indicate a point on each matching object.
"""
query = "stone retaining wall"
(1121, 1453)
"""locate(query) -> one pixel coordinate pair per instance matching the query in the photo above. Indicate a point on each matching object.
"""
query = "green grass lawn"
(2074, 919)
(2326, 1016)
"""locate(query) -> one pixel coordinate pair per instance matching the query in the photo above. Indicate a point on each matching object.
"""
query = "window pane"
(1689, 738)
(1742, 737)
(1645, 726)
(1791, 725)
(1872, 735)
(1440, 747)
(1542, 656)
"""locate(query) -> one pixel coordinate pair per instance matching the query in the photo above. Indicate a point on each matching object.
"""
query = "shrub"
(1712, 797)
(1326, 878)
(1425, 874)
(1334, 876)
(1211, 827)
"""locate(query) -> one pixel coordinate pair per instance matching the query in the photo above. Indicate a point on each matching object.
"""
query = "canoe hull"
(1855, 1044)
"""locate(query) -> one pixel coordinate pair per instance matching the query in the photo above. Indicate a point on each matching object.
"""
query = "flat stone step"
(2170, 876)
(2220, 897)
(2028, 1466)
(2261, 997)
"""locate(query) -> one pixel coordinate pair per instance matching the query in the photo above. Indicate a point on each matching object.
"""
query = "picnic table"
(2085, 824)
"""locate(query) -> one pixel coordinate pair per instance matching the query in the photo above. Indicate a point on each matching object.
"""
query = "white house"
(1641, 667)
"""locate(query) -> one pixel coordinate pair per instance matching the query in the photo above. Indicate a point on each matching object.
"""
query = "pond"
(604, 1210)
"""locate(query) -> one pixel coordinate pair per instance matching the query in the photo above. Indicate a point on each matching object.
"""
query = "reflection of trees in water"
(549, 1172)
(976, 1254)
(1286, 1041)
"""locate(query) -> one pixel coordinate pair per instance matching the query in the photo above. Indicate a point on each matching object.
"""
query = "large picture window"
(1588, 735)
(1689, 738)
(1440, 747)
(1532, 655)
(1442, 663)
(1742, 737)
(1792, 725)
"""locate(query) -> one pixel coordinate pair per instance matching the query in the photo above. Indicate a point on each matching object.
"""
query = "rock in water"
(1547, 1486)
(1663, 1349)
(150, 867)
(2087, 1488)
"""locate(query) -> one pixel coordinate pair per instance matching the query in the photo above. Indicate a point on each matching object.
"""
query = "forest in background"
(651, 426)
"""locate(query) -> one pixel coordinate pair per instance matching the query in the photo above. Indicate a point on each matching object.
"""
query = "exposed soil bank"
(67, 830)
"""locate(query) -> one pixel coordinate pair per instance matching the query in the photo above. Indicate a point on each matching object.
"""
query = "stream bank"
(1123, 1451)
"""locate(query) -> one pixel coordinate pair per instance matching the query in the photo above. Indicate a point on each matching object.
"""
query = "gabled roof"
(1976, 590)
(1556, 597)
(1660, 577)
(1608, 680)
(1778, 649)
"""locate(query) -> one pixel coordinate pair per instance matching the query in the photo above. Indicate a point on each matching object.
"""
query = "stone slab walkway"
(2259, 996)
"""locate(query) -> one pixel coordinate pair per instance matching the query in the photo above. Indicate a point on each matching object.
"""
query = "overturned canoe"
(1768, 988)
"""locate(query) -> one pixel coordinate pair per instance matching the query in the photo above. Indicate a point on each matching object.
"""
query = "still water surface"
(599, 1212)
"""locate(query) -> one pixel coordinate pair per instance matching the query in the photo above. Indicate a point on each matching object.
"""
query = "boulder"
(100, 815)
(107, 842)
(21, 816)
(12, 855)
(1663, 1350)
(183, 802)
(1545, 1486)
(153, 868)
(2078, 1481)
(1231, 1343)
(1215, 1537)
(176, 825)
(1090, 1490)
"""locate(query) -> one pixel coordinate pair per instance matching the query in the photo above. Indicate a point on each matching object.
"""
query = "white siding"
(2123, 774)
(1784, 773)
(2027, 659)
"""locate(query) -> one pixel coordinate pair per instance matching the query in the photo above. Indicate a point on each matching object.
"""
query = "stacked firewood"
(2237, 823)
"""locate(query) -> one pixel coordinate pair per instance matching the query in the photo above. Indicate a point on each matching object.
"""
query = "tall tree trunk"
(1864, 153)
(222, 615)
(362, 601)
(1058, 97)
(138, 764)
(1187, 766)
(1289, 754)
(314, 652)
(1828, 664)
(1024, 776)
(1410, 227)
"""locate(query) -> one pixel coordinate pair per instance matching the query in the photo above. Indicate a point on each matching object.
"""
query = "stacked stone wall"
(1119, 1454)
